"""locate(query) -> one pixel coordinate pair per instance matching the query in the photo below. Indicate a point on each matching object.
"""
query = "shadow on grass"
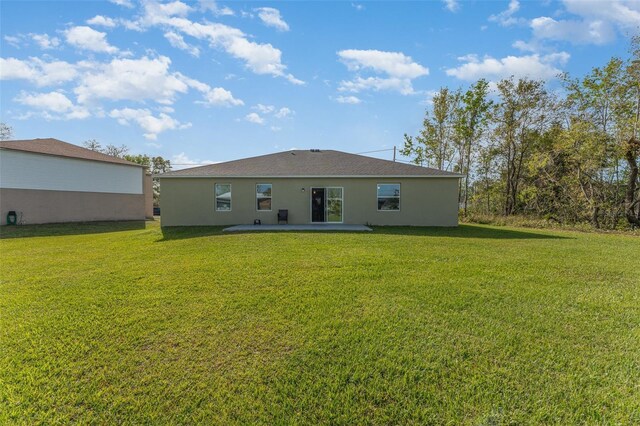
(467, 231)
(462, 231)
(75, 228)
(170, 233)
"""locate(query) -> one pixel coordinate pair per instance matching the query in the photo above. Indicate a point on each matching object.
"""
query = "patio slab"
(314, 227)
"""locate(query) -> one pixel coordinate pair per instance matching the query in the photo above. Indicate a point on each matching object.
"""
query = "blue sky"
(209, 81)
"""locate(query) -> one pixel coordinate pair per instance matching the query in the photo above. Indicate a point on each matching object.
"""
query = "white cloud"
(271, 18)
(575, 31)
(87, 38)
(37, 71)
(151, 124)
(177, 41)
(593, 22)
(102, 21)
(13, 41)
(396, 64)
(506, 18)
(625, 13)
(399, 68)
(524, 46)
(131, 25)
(348, 100)
(53, 102)
(284, 113)
(275, 128)
(259, 58)
(137, 80)
(265, 109)
(45, 41)
(359, 84)
(358, 6)
(531, 66)
(131, 79)
(212, 6)
(182, 161)
(125, 3)
(452, 5)
(218, 96)
(253, 117)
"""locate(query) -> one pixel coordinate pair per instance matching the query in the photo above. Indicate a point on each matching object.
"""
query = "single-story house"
(315, 186)
(48, 181)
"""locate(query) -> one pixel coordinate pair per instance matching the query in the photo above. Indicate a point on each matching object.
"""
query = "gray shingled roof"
(58, 148)
(309, 163)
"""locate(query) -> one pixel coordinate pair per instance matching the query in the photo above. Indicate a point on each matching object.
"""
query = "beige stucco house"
(48, 181)
(315, 186)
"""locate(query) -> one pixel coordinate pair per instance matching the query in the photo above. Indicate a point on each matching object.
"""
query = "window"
(223, 197)
(388, 196)
(263, 196)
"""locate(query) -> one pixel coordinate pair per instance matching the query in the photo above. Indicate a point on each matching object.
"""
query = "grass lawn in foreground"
(126, 323)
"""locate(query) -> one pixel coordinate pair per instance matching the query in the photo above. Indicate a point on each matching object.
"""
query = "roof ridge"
(309, 163)
(59, 148)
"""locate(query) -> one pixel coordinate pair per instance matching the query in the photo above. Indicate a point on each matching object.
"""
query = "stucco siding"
(26, 170)
(148, 196)
(431, 201)
(38, 206)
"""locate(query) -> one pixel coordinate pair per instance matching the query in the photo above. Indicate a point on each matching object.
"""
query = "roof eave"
(123, 163)
(164, 176)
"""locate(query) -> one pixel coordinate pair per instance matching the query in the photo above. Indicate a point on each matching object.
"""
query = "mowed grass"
(127, 324)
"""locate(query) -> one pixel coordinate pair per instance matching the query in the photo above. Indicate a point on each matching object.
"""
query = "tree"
(435, 145)
(471, 117)
(116, 151)
(520, 117)
(632, 126)
(594, 105)
(156, 166)
(93, 145)
(6, 132)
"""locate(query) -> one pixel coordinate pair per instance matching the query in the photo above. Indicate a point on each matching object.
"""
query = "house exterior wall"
(426, 201)
(50, 189)
(148, 196)
(26, 170)
(38, 206)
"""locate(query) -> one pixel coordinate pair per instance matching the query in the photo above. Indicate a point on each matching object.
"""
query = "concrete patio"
(314, 227)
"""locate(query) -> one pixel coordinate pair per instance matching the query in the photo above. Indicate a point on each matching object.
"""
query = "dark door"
(317, 205)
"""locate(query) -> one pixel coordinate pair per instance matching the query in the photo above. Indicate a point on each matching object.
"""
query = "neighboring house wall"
(430, 201)
(36, 206)
(148, 196)
(25, 170)
(47, 189)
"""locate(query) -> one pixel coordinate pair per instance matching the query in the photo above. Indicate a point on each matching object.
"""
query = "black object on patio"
(283, 216)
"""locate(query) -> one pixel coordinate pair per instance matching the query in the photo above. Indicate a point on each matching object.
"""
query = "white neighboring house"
(50, 181)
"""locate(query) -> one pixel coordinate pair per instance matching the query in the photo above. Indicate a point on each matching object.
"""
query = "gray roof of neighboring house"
(58, 148)
(311, 163)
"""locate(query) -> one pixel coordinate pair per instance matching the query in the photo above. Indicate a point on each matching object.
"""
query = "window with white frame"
(223, 197)
(388, 196)
(263, 196)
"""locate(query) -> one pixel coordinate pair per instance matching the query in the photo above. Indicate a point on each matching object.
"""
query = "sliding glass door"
(326, 205)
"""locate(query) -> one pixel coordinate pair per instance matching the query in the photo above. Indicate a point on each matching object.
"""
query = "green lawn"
(125, 323)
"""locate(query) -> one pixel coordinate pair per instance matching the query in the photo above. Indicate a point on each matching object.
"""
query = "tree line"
(568, 155)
